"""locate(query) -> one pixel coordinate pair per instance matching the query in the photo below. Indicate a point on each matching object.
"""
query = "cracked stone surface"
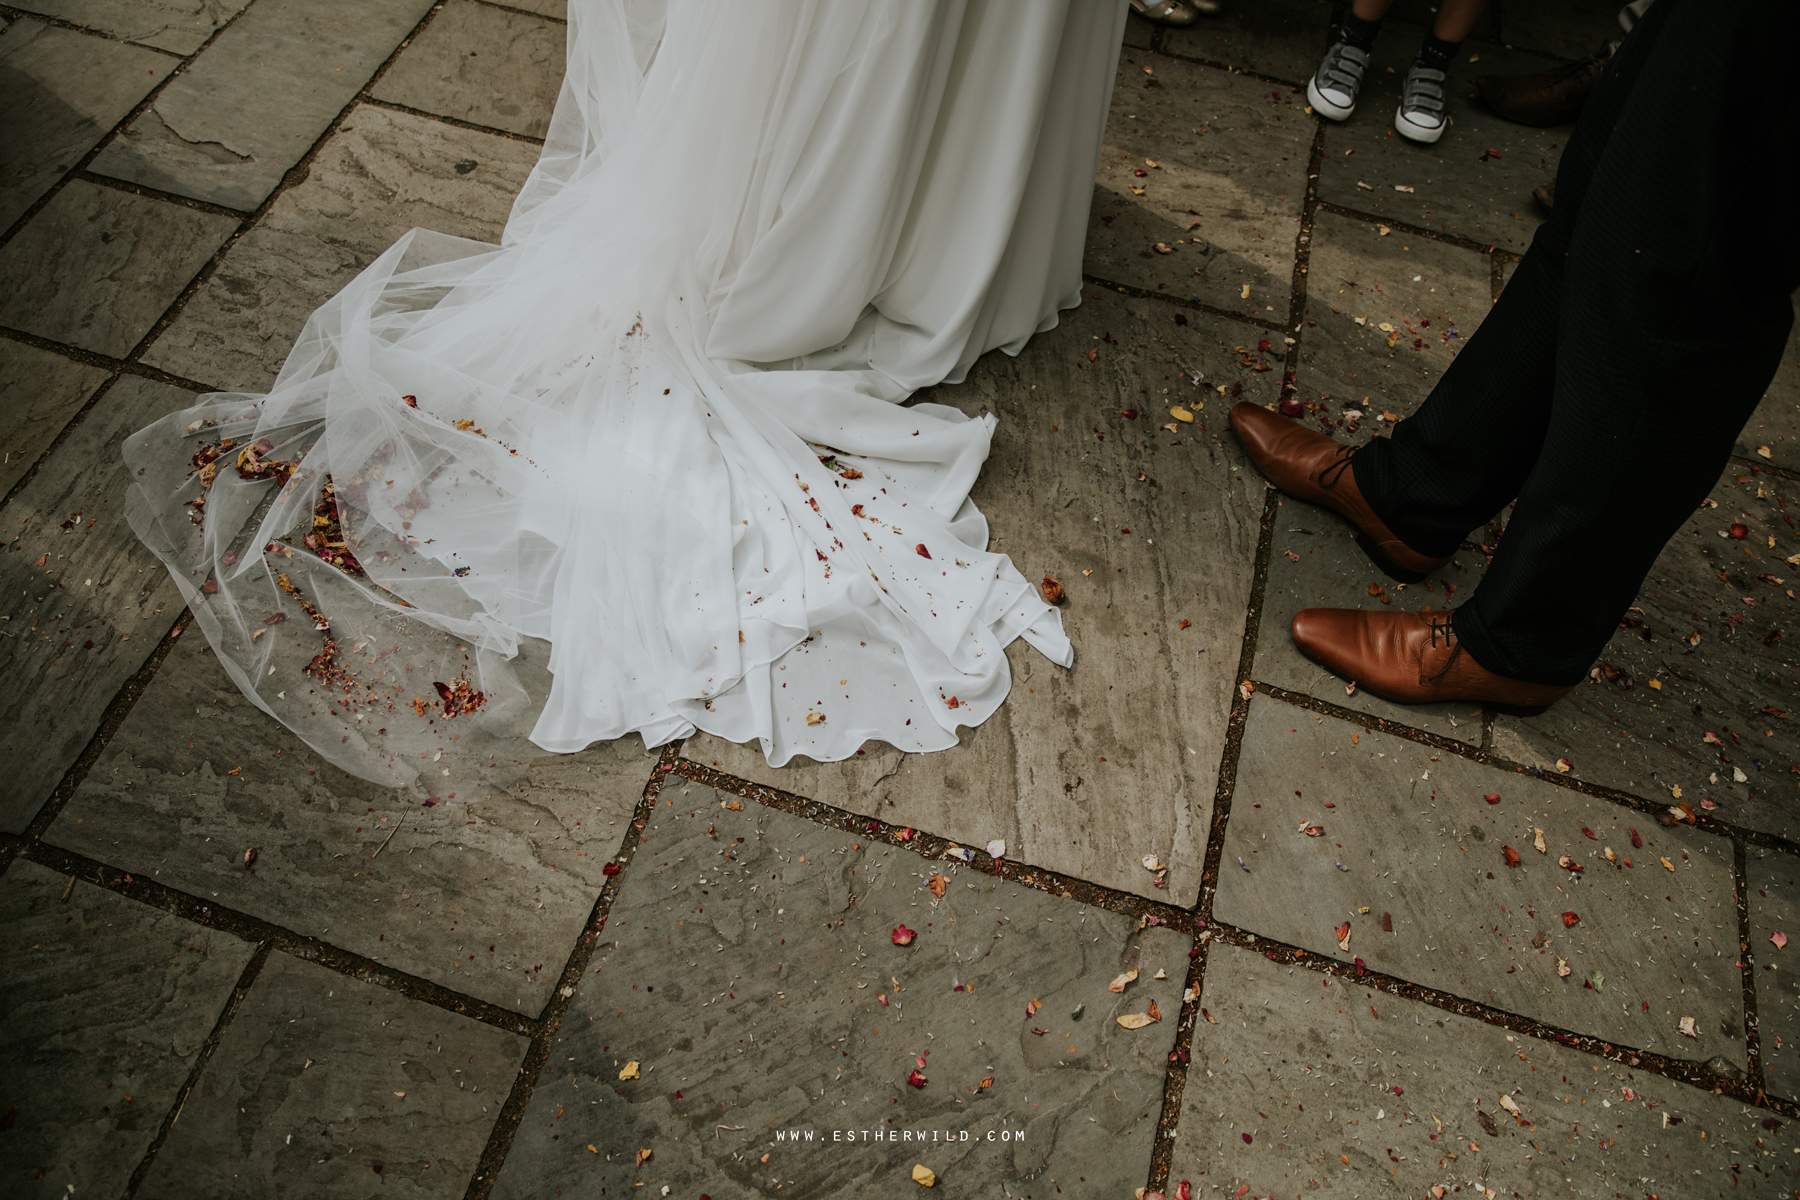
(817, 1021)
(1138, 724)
(1662, 940)
(1225, 199)
(1735, 682)
(1774, 897)
(106, 1006)
(1455, 189)
(484, 65)
(382, 174)
(485, 898)
(178, 26)
(87, 603)
(61, 92)
(257, 99)
(331, 1087)
(1343, 1090)
(39, 393)
(97, 267)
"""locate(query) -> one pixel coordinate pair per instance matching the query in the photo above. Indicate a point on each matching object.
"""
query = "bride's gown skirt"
(660, 428)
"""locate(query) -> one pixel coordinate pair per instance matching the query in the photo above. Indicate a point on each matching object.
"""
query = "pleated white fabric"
(660, 426)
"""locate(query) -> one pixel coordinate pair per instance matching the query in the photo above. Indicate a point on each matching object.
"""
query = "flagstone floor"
(1191, 917)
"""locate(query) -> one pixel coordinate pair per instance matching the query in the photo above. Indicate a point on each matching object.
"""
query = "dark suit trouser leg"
(1606, 387)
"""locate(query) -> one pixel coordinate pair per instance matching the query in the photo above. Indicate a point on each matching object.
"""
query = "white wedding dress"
(660, 427)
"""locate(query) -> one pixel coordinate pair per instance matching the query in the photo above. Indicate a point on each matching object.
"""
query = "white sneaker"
(1420, 116)
(1332, 89)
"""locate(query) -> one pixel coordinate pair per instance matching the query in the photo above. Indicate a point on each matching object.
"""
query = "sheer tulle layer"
(643, 467)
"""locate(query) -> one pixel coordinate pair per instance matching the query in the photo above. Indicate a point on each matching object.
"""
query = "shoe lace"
(1424, 91)
(1340, 462)
(1343, 68)
(1441, 630)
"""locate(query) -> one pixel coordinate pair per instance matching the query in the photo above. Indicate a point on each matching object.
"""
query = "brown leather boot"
(1553, 97)
(1412, 658)
(1310, 466)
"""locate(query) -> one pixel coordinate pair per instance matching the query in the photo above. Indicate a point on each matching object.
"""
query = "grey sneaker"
(1420, 116)
(1332, 89)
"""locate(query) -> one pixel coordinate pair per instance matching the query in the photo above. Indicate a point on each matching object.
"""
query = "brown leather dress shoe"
(1553, 97)
(1310, 466)
(1412, 658)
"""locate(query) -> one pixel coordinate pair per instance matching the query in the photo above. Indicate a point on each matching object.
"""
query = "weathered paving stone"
(1340, 1091)
(1328, 568)
(486, 898)
(1775, 426)
(39, 393)
(814, 1024)
(178, 26)
(1087, 771)
(61, 92)
(1738, 682)
(82, 602)
(1418, 842)
(106, 1006)
(1774, 882)
(1282, 38)
(326, 1086)
(1430, 295)
(259, 97)
(380, 175)
(1455, 190)
(481, 64)
(96, 267)
(1224, 198)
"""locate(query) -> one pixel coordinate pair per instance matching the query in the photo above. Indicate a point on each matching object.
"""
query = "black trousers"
(1606, 387)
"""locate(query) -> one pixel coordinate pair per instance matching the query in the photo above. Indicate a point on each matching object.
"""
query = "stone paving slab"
(485, 65)
(1430, 295)
(326, 1086)
(1224, 198)
(106, 1006)
(485, 898)
(259, 97)
(1410, 835)
(814, 1024)
(1454, 190)
(1137, 726)
(1775, 426)
(382, 174)
(178, 26)
(1317, 563)
(39, 393)
(62, 92)
(98, 266)
(1774, 882)
(1281, 38)
(82, 602)
(1649, 740)
(1340, 1091)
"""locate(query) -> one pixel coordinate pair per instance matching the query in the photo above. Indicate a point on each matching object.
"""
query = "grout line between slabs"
(246, 980)
(305, 947)
(1747, 966)
(1133, 290)
(512, 1112)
